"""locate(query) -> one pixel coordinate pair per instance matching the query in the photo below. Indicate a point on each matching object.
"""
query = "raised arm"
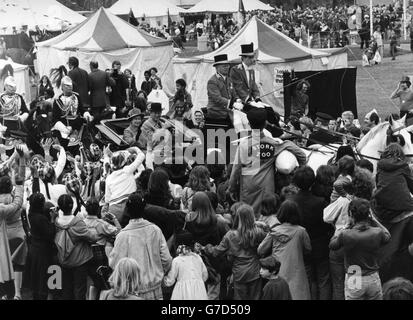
(138, 161)
(61, 161)
(8, 209)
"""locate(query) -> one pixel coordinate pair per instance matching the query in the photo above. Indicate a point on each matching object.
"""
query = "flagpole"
(405, 19)
(371, 18)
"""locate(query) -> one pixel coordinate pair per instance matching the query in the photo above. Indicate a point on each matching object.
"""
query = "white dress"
(190, 273)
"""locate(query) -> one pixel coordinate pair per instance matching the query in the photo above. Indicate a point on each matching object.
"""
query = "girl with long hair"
(159, 193)
(202, 220)
(241, 246)
(124, 281)
(45, 87)
(324, 180)
(199, 180)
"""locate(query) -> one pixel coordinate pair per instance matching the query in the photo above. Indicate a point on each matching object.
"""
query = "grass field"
(375, 84)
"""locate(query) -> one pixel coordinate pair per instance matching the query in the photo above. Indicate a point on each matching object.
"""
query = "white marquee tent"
(47, 14)
(105, 38)
(155, 12)
(276, 53)
(227, 6)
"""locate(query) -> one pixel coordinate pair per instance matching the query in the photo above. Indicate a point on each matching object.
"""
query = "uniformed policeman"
(321, 134)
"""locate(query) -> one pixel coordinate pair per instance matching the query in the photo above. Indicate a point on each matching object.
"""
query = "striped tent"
(276, 53)
(48, 14)
(105, 37)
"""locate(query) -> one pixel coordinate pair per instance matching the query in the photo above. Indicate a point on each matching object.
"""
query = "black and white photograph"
(210, 155)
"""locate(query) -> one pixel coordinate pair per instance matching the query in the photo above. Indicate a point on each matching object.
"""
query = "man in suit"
(80, 80)
(118, 94)
(98, 82)
(245, 86)
(243, 76)
(220, 92)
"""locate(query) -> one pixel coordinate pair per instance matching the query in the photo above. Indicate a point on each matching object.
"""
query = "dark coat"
(40, 254)
(80, 80)
(98, 81)
(118, 95)
(204, 233)
(243, 90)
(25, 42)
(322, 190)
(220, 94)
(394, 185)
(167, 220)
(147, 86)
(311, 210)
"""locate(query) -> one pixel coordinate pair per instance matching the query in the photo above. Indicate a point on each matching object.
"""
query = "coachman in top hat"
(221, 92)
(243, 76)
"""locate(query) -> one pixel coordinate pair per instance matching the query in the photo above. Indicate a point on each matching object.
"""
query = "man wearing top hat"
(243, 75)
(221, 91)
(322, 136)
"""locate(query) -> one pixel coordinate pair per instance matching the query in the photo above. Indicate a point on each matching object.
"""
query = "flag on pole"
(241, 14)
(169, 21)
(132, 20)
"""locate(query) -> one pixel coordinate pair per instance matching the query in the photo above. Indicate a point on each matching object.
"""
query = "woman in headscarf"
(120, 184)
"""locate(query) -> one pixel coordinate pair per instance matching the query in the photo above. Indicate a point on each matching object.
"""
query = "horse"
(394, 258)
(376, 140)
(370, 146)
(319, 156)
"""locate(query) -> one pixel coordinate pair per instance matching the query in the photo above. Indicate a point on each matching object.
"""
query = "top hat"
(324, 116)
(221, 59)
(247, 50)
(156, 107)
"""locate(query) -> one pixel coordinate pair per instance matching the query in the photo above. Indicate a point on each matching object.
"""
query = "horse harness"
(68, 105)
